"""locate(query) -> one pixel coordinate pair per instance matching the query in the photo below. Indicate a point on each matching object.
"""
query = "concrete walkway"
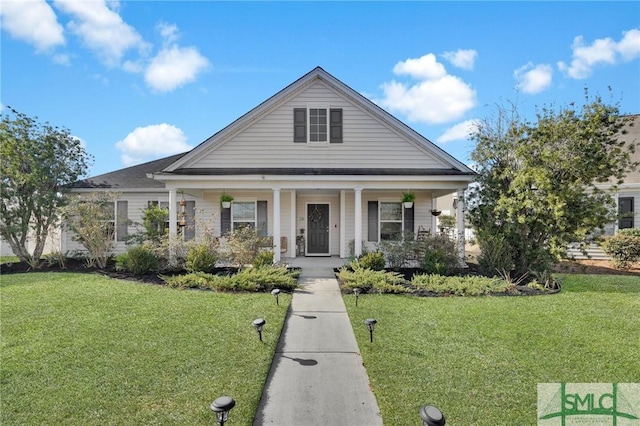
(317, 376)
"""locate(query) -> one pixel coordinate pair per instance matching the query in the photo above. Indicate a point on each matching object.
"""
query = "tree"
(38, 161)
(538, 183)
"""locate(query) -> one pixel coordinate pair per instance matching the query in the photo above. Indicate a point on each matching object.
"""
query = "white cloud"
(102, 29)
(169, 32)
(174, 67)
(601, 51)
(151, 142)
(462, 58)
(32, 21)
(437, 97)
(533, 79)
(458, 132)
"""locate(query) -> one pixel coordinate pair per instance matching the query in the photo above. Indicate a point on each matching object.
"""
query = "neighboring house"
(627, 195)
(316, 163)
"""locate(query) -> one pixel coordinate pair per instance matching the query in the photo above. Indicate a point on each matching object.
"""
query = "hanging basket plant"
(407, 199)
(225, 200)
(436, 212)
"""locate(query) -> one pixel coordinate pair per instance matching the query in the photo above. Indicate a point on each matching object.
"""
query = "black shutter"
(373, 221)
(335, 123)
(408, 220)
(300, 125)
(190, 229)
(262, 219)
(225, 222)
(122, 219)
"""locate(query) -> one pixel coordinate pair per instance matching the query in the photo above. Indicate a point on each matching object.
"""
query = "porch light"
(371, 324)
(258, 324)
(356, 292)
(431, 416)
(221, 406)
(276, 293)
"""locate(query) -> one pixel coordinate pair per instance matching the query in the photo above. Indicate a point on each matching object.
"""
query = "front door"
(318, 229)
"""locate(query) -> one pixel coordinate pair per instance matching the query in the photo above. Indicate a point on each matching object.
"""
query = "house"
(318, 167)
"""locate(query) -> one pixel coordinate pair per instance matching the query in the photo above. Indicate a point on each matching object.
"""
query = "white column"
(293, 232)
(343, 224)
(276, 224)
(460, 226)
(358, 221)
(173, 213)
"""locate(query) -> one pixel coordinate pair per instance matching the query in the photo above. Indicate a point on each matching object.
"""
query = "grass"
(9, 259)
(84, 349)
(480, 359)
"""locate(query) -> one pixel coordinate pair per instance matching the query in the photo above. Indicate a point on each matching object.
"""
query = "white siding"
(268, 142)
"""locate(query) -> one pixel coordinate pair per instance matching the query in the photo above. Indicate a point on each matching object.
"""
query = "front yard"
(480, 359)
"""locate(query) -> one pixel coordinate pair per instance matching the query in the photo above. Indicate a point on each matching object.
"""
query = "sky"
(141, 80)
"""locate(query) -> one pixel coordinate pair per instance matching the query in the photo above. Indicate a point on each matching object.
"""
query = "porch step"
(594, 252)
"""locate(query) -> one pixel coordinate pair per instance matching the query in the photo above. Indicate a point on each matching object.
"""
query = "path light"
(370, 323)
(258, 324)
(276, 293)
(356, 291)
(431, 416)
(221, 406)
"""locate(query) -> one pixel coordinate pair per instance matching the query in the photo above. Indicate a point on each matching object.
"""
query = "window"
(317, 125)
(390, 221)
(243, 213)
(116, 220)
(625, 212)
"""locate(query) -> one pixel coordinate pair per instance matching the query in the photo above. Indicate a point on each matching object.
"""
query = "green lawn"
(83, 349)
(480, 359)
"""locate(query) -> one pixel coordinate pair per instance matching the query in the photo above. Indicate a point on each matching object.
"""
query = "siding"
(268, 142)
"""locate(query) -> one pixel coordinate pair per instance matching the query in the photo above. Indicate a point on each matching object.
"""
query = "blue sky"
(140, 80)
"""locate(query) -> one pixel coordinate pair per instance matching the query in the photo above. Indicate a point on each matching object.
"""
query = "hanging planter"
(407, 199)
(436, 212)
(225, 200)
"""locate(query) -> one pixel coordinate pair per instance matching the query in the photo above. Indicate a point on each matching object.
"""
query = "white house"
(317, 161)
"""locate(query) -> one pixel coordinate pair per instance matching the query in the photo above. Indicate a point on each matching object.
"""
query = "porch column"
(293, 232)
(276, 224)
(358, 221)
(460, 226)
(173, 213)
(343, 224)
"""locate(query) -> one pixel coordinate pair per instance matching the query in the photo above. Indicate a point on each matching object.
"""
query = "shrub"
(437, 255)
(194, 280)
(400, 253)
(373, 260)
(369, 280)
(200, 258)
(460, 286)
(242, 247)
(139, 260)
(264, 278)
(623, 248)
(263, 258)
(495, 255)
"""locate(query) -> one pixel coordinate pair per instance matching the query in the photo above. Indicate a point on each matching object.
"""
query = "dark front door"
(318, 229)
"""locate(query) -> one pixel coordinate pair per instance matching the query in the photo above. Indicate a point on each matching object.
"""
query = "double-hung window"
(391, 221)
(317, 125)
(243, 214)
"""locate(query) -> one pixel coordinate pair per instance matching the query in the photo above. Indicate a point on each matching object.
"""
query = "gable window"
(317, 125)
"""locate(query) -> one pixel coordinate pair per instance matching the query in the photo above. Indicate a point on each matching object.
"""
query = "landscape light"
(221, 406)
(370, 323)
(258, 324)
(431, 416)
(356, 291)
(276, 293)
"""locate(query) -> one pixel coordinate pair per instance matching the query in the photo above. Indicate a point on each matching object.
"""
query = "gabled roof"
(134, 177)
(182, 165)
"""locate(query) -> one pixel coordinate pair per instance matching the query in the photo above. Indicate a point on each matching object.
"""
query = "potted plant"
(436, 212)
(225, 200)
(407, 199)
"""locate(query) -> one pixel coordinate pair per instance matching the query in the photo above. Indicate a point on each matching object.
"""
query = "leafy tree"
(537, 185)
(38, 161)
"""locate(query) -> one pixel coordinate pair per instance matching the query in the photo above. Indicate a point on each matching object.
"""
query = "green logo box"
(569, 404)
